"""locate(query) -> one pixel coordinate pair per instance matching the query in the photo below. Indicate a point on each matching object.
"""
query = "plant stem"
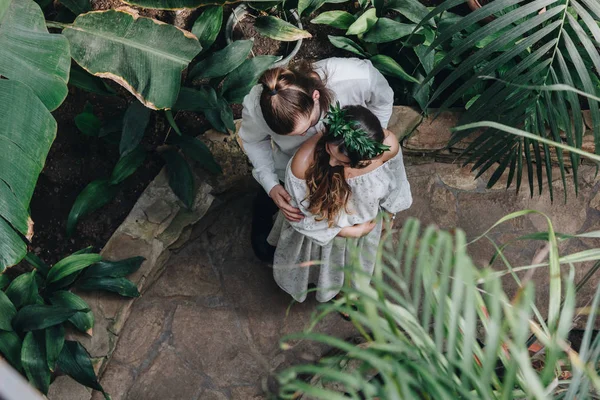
(58, 25)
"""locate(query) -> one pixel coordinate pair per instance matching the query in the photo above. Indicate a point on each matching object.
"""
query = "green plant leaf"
(387, 66)
(23, 290)
(94, 196)
(344, 43)
(55, 339)
(413, 10)
(33, 359)
(122, 286)
(10, 348)
(222, 62)
(7, 312)
(171, 4)
(309, 6)
(37, 317)
(77, 6)
(25, 139)
(363, 23)
(31, 55)
(207, 26)
(87, 122)
(82, 320)
(70, 265)
(127, 165)
(135, 122)
(84, 81)
(181, 179)
(387, 30)
(114, 269)
(278, 29)
(195, 149)
(196, 99)
(242, 79)
(337, 19)
(37, 263)
(75, 361)
(4, 281)
(152, 73)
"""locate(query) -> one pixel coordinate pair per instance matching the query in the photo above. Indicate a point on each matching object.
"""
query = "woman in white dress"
(341, 180)
(285, 110)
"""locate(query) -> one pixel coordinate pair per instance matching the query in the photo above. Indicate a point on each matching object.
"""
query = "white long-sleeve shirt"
(352, 82)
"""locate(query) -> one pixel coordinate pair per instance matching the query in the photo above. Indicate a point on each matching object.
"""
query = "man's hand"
(358, 231)
(282, 199)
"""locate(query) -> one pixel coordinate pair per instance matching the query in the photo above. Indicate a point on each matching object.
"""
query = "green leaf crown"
(355, 138)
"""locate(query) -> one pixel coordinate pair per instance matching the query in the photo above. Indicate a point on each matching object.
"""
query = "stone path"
(209, 328)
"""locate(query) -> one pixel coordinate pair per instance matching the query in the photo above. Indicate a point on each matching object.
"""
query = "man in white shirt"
(284, 111)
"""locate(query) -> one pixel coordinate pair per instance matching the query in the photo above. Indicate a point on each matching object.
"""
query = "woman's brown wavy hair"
(328, 190)
(287, 96)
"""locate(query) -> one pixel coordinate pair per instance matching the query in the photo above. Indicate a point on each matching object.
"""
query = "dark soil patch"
(74, 161)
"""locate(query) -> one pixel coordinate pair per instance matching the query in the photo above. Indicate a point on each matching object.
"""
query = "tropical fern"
(437, 327)
(528, 43)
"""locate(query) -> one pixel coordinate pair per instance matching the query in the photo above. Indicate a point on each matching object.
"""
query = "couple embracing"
(316, 137)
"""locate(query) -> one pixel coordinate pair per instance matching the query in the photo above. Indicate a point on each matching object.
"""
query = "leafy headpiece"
(355, 138)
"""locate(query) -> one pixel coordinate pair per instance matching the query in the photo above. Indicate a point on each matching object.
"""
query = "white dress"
(300, 244)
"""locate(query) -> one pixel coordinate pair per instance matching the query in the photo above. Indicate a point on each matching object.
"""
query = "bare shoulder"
(304, 157)
(392, 141)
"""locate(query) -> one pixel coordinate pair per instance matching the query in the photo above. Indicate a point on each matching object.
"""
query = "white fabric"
(352, 81)
(300, 243)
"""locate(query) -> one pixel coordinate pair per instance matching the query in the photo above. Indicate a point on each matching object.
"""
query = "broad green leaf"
(4, 281)
(114, 44)
(337, 19)
(10, 348)
(82, 320)
(222, 62)
(309, 6)
(344, 43)
(181, 179)
(114, 269)
(77, 6)
(94, 196)
(87, 122)
(23, 290)
(413, 10)
(135, 122)
(25, 139)
(197, 151)
(172, 122)
(37, 317)
(90, 83)
(37, 263)
(31, 55)
(207, 26)
(278, 29)
(122, 286)
(75, 361)
(33, 359)
(242, 79)
(127, 165)
(7, 312)
(388, 66)
(363, 23)
(387, 30)
(226, 115)
(70, 265)
(196, 99)
(55, 339)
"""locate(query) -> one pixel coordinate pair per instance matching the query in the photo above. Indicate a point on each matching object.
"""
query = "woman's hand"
(282, 199)
(357, 231)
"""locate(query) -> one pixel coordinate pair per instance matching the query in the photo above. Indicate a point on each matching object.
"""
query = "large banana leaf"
(143, 55)
(30, 54)
(527, 46)
(26, 134)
